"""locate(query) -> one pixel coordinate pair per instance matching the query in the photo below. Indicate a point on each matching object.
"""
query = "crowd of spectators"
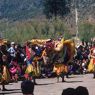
(14, 57)
(81, 59)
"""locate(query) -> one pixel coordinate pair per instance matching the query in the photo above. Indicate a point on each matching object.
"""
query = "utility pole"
(76, 18)
(75, 6)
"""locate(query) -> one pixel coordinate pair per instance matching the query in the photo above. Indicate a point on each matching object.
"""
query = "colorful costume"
(60, 70)
(91, 67)
(5, 76)
(5, 73)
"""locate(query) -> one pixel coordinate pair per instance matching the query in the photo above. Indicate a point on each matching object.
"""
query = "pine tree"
(54, 8)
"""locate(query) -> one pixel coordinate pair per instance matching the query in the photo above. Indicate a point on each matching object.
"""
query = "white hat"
(12, 43)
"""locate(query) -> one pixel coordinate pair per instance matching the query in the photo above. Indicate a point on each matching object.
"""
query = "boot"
(3, 88)
(57, 79)
(34, 80)
(63, 79)
(94, 75)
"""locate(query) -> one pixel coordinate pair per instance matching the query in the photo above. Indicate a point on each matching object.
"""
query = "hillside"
(19, 9)
(86, 8)
(21, 20)
(26, 9)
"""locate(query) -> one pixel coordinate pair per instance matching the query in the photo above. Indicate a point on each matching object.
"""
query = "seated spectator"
(69, 91)
(27, 87)
(80, 90)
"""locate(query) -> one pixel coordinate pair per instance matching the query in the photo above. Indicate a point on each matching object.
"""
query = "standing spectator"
(11, 50)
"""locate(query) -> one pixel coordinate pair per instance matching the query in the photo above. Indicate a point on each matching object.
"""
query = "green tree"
(86, 31)
(56, 8)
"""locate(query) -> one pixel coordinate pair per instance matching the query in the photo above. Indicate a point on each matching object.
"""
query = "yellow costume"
(91, 66)
(5, 76)
(34, 70)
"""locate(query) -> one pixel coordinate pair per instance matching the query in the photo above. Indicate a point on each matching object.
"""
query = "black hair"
(68, 91)
(27, 87)
(80, 90)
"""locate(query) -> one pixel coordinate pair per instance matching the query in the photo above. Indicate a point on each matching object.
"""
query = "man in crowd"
(12, 51)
